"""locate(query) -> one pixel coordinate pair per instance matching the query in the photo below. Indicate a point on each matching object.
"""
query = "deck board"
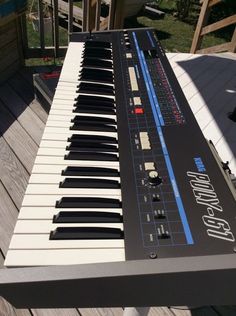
(25, 116)
(17, 138)
(8, 216)
(12, 173)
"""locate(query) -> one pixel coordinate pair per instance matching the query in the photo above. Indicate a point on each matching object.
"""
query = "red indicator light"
(138, 111)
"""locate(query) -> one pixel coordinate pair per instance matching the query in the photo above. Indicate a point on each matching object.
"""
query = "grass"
(175, 35)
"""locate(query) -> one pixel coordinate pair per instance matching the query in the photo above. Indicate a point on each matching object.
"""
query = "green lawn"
(175, 35)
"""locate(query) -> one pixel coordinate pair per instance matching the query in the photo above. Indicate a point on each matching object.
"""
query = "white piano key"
(40, 212)
(54, 189)
(72, 86)
(61, 144)
(66, 112)
(60, 152)
(50, 160)
(71, 96)
(50, 200)
(62, 256)
(54, 135)
(45, 226)
(56, 178)
(64, 103)
(56, 169)
(68, 115)
(42, 241)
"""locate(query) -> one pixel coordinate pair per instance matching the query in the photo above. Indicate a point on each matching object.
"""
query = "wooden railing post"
(85, 15)
(233, 42)
(202, 21)
(111, 19)
(55, 28)
(70, 18)
(98, 14)
(203, 29)
(41, 25)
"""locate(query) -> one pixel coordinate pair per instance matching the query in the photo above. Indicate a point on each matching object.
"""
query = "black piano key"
(97, 44)
(93, 78)
(87, 217)
(92, 127)
(87, 99)
(97, 53)
(97, 63)
(90, 156)
(92, 138)
(92, 119)
(90, 171)
(98, 73)
(87, 87)
(87, 202)
(77, 147)
(89, 183)
(71, 233)
(94, 110)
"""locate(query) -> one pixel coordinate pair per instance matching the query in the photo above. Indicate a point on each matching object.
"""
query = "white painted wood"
(208, 82)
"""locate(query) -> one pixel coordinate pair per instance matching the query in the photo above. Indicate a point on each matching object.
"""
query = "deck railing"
(86, 19)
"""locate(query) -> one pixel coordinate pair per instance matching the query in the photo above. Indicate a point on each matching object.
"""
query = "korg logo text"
(205, 195)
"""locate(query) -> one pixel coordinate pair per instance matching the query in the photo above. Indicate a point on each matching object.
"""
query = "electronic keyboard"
(123, 171)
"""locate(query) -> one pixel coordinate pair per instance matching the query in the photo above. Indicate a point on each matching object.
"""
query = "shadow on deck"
(211, 93)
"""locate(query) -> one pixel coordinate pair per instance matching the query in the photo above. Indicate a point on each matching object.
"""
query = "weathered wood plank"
(215, 49)
(218, 25)
(12, 174)
(55, 312)
(7, 33)
(101, 311)
(26, 92)
(6, 309)
(202, 21)
(160, 311)
(26, 117)
(17, 138)
(8, 217)
(39, 110)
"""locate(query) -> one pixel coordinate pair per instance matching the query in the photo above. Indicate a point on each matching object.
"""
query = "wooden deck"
(209, 83)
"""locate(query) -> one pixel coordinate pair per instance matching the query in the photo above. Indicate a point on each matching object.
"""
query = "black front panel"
(175, 200)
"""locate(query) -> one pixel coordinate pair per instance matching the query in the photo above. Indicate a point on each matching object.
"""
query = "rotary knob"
(153, 178)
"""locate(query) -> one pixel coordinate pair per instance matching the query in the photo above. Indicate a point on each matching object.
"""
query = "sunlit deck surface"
(209, 83)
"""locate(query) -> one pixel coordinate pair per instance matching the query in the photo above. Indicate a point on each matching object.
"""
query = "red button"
(138, 111)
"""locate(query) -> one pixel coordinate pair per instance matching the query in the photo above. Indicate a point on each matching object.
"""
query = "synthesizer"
(123, 171)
